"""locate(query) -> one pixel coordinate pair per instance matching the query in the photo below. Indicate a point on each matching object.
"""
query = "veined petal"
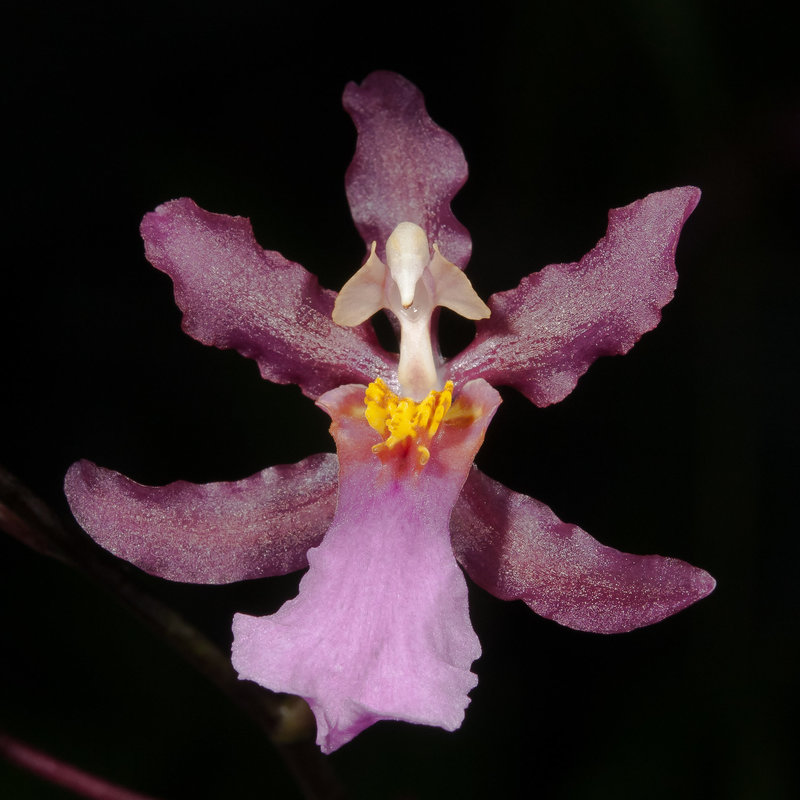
(380, 628)
(517, 549)
(208, 533)
(405, 169)
(234, 294)
(543, 335)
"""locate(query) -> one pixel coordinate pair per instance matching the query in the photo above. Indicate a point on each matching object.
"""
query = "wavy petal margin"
(543, 335)
(209, 533)
(234, 294)
(405, 169)
(517, 549)
(380, 628)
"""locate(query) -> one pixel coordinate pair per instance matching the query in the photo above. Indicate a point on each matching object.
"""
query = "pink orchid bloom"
(380, 628)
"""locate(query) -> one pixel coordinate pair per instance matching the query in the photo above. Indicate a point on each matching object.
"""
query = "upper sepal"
(405, 168)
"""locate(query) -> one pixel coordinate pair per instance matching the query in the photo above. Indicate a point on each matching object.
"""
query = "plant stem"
(61, 773)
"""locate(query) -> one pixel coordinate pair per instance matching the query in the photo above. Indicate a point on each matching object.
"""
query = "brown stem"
(285, 719)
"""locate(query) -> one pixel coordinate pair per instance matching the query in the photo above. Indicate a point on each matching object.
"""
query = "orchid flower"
(380, 628)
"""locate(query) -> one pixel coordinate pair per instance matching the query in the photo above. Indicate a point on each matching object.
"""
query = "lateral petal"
(405, 169)
(543, 335)
(208, 533)
(517, 549)
(234, 294)
(380, 628)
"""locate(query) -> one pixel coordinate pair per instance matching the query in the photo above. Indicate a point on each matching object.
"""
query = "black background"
(682, 447)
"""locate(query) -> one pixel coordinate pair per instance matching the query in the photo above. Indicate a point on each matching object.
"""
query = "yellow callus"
(401, 420)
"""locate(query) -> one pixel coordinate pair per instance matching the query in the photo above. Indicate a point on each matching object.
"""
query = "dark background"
(683, 447)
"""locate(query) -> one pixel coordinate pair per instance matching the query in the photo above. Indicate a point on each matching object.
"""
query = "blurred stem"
(286, 720)
(61, 773)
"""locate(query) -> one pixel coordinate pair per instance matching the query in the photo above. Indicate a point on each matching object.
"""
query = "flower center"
(402, 421)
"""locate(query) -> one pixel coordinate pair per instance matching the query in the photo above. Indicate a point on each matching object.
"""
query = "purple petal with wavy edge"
(380, 628)
(405, 169)
(209, 533)
(543, 335)
(517, 549)
(234, 294)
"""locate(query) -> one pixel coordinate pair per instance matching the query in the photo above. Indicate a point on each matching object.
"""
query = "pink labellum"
(380, 628)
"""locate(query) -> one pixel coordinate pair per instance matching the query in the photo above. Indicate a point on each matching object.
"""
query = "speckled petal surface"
(543, 335)
(208, 533)
(516, 548)
(380, 628)
(234, 294)
(405, 169)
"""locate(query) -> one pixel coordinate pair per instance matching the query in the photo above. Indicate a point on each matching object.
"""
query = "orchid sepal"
(210, 533)
(516, 548)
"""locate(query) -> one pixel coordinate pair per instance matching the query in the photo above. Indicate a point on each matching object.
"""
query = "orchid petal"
(380, 628)
(517, 549)
(405, 169)
(234, 294)
(543, 335)
(208, 533)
